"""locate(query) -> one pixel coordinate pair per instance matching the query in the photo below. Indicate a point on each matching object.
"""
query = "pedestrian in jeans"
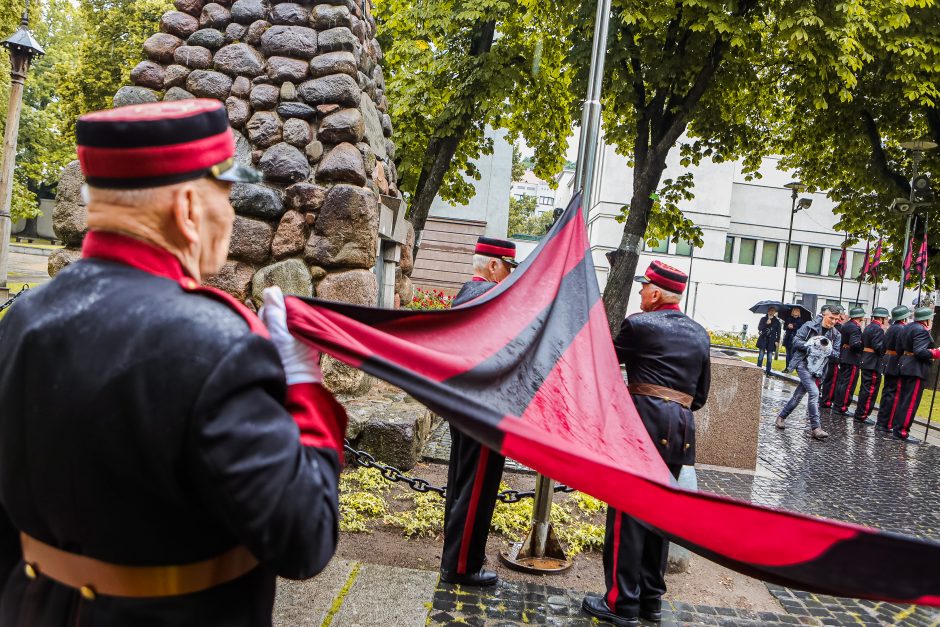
(809, 366)
(768, 337)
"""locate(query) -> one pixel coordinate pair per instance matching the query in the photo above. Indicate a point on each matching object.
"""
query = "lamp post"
(23, 48)
(918, 147)
(795, 187)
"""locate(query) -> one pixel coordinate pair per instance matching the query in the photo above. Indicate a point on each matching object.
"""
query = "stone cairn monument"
(304, 90)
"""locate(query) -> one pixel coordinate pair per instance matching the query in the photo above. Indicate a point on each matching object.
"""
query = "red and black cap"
(500, 248)
(665, 277)
(161, 143)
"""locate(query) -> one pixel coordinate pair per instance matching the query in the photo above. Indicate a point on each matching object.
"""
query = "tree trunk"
(646, 178)
(437, 160)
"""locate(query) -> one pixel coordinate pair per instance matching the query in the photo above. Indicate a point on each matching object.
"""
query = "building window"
(729, 249)
(684, 248)
(768, 256)
(858, 259)
(814, 260)
(661, 246)
(546, 200)
(834, 255)
(748, 248)
(793, 259)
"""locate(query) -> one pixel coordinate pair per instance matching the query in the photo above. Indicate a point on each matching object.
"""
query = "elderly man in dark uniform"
(891, 391)
(917, 357)
(667, 357)
(850, 360)
(475, 471)
(873, 342)
(163, 455)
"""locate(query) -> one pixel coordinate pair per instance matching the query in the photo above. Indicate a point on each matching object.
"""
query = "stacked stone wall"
(303, 87)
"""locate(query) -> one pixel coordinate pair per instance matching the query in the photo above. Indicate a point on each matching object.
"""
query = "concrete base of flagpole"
(540, 551)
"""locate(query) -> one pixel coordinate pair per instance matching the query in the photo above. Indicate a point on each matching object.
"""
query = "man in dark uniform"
(161, 459)
(916, 360)
(891, 391)
(827, 390)
(850, 360)
(667, 356)
(873, 342)
(475, 471)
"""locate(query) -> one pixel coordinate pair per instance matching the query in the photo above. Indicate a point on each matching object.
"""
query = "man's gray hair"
(480, 262)
(670, 297)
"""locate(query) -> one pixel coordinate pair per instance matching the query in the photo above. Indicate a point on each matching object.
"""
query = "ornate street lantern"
(23, 48)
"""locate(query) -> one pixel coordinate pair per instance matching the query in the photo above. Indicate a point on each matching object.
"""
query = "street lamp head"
(22, 43)
(795, 185)
(804, 203)
(919, 145)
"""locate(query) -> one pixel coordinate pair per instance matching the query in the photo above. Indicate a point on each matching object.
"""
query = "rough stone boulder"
(291, 275)
(70, 216)
(234, 278)
(346, 230)
(251, 240)
(390, 425)
(62, 258)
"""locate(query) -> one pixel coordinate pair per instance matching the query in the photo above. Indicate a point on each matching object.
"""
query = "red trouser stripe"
(832, 386)
(848, 389)
(871, 393)
(613, 594)
(894, 405)
(472, 512)
(910, 410)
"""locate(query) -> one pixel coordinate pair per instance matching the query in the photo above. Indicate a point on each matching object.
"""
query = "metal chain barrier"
(390, 473)
(14, 297)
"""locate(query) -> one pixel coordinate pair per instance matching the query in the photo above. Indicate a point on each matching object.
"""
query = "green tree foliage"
(518, 165)
(523, 219)
(842, 131)
(456, 67)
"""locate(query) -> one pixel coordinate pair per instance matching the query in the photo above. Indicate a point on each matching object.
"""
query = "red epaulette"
(254, 322)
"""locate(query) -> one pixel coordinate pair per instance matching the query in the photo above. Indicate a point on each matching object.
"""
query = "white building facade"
(744, 226)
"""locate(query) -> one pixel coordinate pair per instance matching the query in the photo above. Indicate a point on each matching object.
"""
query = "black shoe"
(651, 610)
(864, 421)
(597, 606)
(908, 439)
(882, 429)
(840, 410)
(482, 578)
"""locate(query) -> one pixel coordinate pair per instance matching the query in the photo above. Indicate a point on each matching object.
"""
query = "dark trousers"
(472, 484)
(634, 562)
(889, 401)
(845, 386)
(912, 389)
(828, 390)
(871, 379)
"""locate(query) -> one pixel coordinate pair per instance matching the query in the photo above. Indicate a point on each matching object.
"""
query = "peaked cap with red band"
(161, 143)
(501, 248)
(665, 277)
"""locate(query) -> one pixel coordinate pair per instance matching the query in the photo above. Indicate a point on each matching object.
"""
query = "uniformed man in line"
(827, 390)
(163, 455)
(667, 357)
(891, 391)
(873, 341)
(850, 360)
(919, 354)
(475, 471)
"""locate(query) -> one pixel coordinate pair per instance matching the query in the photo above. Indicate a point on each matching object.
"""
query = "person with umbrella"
(793, 324)
(768, 340)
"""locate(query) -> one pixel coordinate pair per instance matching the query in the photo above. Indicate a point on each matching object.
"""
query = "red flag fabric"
(842, 266)
(866, 267)
(908, 260)
(919, 264)
(876, 261)
(529, 370)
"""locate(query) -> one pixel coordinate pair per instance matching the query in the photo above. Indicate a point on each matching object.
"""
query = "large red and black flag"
(876, 261)
(866, 265)
(842, 266)
(529, 369)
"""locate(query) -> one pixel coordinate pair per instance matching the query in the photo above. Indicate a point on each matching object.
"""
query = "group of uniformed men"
(890, 349)
(166, 453)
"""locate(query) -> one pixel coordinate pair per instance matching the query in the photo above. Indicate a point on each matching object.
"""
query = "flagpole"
(923, 262)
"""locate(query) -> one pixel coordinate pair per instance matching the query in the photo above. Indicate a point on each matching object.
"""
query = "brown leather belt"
(659, 391)
(908, 353)
(846, 346)
(868, 350)
(93, 577)
(891, 352)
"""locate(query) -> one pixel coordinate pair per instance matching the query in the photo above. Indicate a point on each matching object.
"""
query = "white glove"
(301, 363)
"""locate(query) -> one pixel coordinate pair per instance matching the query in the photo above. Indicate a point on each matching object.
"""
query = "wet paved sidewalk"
(856, 475)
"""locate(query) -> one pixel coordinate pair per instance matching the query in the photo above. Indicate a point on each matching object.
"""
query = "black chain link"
(14, 297)
(390, 473)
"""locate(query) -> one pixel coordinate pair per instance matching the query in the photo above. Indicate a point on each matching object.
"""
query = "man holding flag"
(916, 361)
(873, 341)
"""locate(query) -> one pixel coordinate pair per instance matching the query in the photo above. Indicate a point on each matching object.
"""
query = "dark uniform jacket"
(851, 349)
(472, 289)
(144, 425)
(893, 336)
(916, 339)
(669, 349)
(768, 333)
(789, 334)
(873, 342)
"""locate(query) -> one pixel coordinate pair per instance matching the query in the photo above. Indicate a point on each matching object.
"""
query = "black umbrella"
(805, 314)
(764, 305)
